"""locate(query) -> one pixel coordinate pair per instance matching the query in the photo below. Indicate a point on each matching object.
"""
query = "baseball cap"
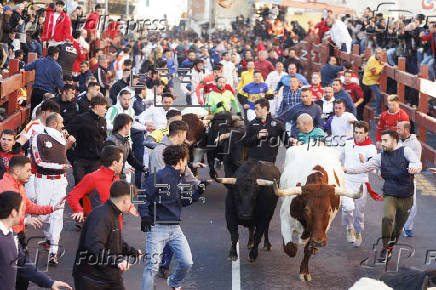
(19, 6)
(6, 8)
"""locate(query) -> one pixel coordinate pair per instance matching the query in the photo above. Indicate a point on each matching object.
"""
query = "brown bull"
(308, 211)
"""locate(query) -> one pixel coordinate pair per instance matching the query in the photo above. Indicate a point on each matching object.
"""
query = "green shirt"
(226, 97)
(315, 135)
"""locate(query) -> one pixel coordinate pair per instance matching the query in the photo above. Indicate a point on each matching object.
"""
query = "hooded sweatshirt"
(117, 109)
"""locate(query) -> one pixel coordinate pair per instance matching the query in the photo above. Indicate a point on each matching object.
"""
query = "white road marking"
(236, 272)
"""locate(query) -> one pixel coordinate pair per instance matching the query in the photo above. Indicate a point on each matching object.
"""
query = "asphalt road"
(337, 266)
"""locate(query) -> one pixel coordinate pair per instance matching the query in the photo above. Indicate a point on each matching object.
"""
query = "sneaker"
(408, 233)
(164, 272)
(358, 240)
(350, 236)
(385, 255)
(53, 260)
(173, 288)
(45, 244)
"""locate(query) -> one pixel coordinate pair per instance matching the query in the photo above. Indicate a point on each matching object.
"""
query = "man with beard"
(84, 101)
(69, 108)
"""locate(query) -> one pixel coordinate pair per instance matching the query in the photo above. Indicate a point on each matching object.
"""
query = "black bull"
(229, 150)
(251, 205)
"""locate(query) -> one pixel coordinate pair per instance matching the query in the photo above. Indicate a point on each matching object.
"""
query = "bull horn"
(208, 117)
(226, 180)
(343, 192)
(264, 182)
(286, 192)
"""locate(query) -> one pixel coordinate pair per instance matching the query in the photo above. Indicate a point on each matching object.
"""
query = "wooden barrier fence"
(9, 86)
(16, 79)
(316, 58)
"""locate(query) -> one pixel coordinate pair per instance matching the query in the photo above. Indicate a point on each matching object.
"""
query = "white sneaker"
(350, 236)
(358, 240)
(173, 288)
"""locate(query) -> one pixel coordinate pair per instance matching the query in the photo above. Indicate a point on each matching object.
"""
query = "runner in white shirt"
(356, 151)
(155, 118)
(272, 80)
(229, 70)
(32, 129)
(193, 78)
(339, 33)
(342, 122)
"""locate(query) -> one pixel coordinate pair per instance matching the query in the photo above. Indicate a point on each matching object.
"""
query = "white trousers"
(409, 224)
(30, 188)
(353, 210)
(50, 192)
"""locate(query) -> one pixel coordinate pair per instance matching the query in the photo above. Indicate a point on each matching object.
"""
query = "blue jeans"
(429, 60)
(156, 239)
(377, 92)
(419, 57)
(391, 55)
(167, 255)
(361, 44)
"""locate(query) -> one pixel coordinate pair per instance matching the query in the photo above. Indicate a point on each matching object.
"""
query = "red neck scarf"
(367, 141)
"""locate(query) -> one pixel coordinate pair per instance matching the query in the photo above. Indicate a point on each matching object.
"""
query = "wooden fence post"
(423, 105)
(30, 58)
(14, 67)
(356, 51)
(400, 86)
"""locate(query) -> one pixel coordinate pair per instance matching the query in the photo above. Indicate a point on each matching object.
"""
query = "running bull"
(310, 190)
(251, 202)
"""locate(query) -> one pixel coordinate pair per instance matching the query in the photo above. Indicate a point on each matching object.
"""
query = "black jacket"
(68, 110)
(265, 149)
(100, 75)
(83, 103)
(101, 247)
(14, 21)
(115, 90)
(90, 133)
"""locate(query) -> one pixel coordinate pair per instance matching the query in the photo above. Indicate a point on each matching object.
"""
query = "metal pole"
(189, 14)
(211, 17)
(106, 7)
(127, 10)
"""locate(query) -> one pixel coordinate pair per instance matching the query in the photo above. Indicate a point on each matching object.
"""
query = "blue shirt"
(48, 74)
(329, 73)
(292, 115)
(290, 99)
(252, 92)
(171, 65)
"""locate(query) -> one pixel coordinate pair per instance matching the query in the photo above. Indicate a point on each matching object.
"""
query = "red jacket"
(390, 121)
(91, 24)
(207, 84)
(81, 56)
(265, 67)
(322, 28)
(8, 183)
(99, 181)
(112, 29)
(62, 27)
(430, 37)
(317, 92)
(354, 90)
